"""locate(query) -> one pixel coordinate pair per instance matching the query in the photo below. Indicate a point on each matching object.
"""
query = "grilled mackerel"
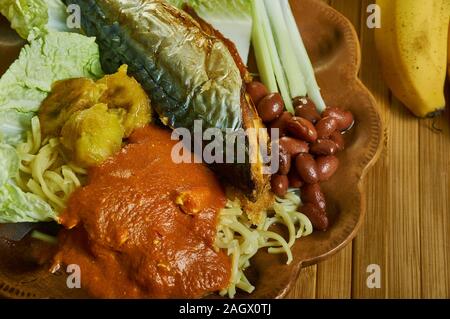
(188, 69)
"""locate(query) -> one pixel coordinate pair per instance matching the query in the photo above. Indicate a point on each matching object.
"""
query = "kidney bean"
(285, 162)
(257, 91)
(324, 147)
(344, 118)
(293, 146)
(279, 184)
(302, 128)
(327, 166)
(326, 126)
(317, 216)
(311, 193)
(338, 139)
(281, 123)
(294, 179)
(305, 108)
(270, 107)
(301, 100)
(307, 168)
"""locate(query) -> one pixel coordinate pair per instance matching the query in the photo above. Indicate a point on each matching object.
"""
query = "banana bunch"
(414, 49)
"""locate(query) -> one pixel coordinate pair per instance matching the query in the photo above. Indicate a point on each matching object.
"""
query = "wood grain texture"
(435, 206)
(369, 246)
(306, 284)
(334, 276)
(406, 230)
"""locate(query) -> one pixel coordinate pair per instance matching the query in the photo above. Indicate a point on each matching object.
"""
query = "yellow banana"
(412, 46)
(447, 8)
(448, 50)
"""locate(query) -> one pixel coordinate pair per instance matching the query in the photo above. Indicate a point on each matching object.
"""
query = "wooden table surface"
(407, 226)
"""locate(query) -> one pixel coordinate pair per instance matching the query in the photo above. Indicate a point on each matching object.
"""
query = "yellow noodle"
(35, 134)
(69, 176)
(76, 169)
(35, 188)
(44, 171)
(243, 240)
(287, 220)
(56, 182)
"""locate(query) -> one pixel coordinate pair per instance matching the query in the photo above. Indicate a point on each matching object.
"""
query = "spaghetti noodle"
(44, 170)
(242, 240)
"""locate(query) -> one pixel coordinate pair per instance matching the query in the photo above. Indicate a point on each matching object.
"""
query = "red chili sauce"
(145, 226)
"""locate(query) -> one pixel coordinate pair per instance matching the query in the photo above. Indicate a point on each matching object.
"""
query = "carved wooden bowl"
(334, 49)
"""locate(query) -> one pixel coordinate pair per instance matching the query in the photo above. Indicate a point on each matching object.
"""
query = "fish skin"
(188, 73)
(183, 78)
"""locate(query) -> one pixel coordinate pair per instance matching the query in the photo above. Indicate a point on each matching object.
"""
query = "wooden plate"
(333, 46)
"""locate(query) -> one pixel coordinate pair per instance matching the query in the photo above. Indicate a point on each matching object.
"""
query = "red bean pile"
(309, 142)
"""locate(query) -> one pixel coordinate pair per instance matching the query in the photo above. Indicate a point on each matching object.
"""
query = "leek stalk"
(260, 11)
(285, 49)
(302, 57)
(261, 49)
